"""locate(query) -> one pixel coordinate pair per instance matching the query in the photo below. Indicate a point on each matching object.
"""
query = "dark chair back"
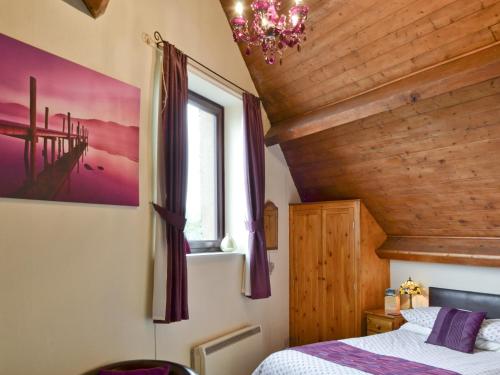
(175, 368)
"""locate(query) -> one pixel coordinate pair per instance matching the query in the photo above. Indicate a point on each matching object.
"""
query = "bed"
(399, 352)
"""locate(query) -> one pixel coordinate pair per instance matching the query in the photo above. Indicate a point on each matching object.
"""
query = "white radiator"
(237, 353)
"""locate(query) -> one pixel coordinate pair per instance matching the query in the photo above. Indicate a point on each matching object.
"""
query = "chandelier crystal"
(269, 30)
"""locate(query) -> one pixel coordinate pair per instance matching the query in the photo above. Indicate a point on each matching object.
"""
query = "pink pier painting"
(67, 133)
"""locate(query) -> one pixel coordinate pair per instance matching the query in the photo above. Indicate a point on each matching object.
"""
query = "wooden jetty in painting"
(66, 148)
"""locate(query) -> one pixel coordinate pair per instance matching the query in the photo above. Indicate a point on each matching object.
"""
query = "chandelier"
(272, 32)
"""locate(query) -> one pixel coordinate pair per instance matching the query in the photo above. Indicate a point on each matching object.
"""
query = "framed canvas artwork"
(67, 133)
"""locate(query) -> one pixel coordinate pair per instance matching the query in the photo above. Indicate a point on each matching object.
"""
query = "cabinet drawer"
(378, 325)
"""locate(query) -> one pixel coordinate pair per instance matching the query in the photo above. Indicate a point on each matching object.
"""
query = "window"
(205, 185)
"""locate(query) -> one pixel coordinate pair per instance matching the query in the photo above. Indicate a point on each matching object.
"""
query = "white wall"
(75, 279)
(475, 279)
(215, 300)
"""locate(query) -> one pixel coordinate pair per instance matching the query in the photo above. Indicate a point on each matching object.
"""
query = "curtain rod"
(160, 41)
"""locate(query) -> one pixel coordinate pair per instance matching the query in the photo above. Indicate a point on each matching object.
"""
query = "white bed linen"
(403, 343)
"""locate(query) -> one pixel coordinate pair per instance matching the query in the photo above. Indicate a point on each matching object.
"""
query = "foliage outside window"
(205, 187)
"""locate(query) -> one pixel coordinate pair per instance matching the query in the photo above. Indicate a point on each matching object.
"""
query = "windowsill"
(216, 254)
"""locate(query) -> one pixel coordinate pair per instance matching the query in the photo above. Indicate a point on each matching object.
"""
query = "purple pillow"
(456, 329)
(149, 371)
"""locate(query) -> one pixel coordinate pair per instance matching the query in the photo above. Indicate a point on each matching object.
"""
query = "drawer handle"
(379, 327)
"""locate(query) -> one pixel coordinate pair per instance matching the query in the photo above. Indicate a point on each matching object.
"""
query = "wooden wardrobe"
(335, 274)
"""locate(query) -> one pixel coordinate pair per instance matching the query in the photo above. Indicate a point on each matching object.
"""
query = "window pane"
(201, 202)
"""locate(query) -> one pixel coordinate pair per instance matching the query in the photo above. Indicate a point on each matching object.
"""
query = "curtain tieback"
(176, 220)
(252, 226)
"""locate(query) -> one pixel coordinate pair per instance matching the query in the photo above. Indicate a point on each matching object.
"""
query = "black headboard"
(489, 303)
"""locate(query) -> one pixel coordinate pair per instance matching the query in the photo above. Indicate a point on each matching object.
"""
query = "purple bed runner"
(376, 364)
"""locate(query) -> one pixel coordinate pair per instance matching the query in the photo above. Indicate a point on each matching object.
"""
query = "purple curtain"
(260, 285)
(174, 142)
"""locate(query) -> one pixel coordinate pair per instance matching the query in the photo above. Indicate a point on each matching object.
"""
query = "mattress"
(404, 343)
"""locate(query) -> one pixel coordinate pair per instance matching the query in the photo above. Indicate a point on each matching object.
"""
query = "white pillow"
(425, 332)
(490, 330)
(422, 316)
(487, 345)
(415, 328)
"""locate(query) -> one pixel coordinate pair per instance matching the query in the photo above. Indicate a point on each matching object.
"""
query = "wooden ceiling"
(429, 168)
(397, 103)
(96, 7)
(358, 45)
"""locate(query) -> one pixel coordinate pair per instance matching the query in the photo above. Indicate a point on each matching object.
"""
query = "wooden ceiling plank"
(314, 79)
(419, 166)
(367, 122)
(346, 35)
(401, 142)
(471, 222)
(361, 47)
(96, 7)
(469, 251)
(394, 194)
(484, 109)
(425, 205)
(440, 202)
(466, 71)
(413, 223)
(462, 103)
(429, 206)
(332, 21)
(495, 30)
(488, 167)
(421, 219)
(410, 227)
(463, 45)
(475, 41)
(331, 82)
(258, 68)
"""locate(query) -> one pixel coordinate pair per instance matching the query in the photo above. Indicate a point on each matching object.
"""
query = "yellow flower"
(410, 287)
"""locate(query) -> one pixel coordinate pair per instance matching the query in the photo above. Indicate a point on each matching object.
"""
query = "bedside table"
(377, 321)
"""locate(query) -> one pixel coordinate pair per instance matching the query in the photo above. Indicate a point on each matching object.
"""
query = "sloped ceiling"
(395, 102)
(96, 7)
(432, 168)
(357, 45)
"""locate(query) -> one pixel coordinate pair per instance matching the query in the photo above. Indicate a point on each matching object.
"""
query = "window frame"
(218, 111)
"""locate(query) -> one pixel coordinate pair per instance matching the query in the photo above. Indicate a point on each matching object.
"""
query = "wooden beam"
(96, 7)
(465, 71)
(33, 130)
(452, 250)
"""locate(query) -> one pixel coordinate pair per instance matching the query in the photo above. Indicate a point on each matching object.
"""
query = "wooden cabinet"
(335, 274)
(377, 321)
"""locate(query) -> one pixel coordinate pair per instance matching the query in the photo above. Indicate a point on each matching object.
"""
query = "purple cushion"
(456, 329)
(150, 371)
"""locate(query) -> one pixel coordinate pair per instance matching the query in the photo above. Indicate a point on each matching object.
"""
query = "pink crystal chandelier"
(272, 32)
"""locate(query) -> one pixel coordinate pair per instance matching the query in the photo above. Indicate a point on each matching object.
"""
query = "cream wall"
(75, 279)
(216, 304)
(450, 276)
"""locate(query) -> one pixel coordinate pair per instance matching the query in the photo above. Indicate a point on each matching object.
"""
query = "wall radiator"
(237, 353)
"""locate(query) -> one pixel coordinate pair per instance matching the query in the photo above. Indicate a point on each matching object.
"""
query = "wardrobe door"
(339, 274)
(305, 283)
